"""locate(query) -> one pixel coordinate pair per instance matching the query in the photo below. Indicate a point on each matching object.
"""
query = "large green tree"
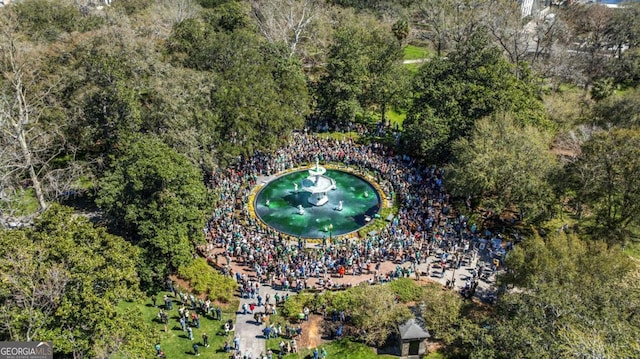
(504, 165)
(572, 298)
(373, 311)
(157, 198)
(256, 92)
(451, 93)
(61, 281)
(605, 178)
(364, 73)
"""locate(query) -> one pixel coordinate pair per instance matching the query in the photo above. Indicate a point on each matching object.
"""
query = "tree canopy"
(605, 177)
(573, 299)
(452, 93)
(61, 282)
(157, 198)
(505, 166)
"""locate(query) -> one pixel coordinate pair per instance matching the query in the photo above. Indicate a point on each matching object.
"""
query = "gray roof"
(411, 330)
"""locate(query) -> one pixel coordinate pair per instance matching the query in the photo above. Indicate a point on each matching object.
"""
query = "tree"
(373, 311)
(364, 72)
(441, 312)
(446, 23)
(572, 298)
(589, 26)
(61, 282)
(605, 178)
(286, 21)
(505, 165)
(450, 94)
(509, 30)
(157, 198)
(31, 135)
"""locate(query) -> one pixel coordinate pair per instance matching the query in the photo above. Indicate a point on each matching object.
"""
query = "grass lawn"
(343, 349)
(412, 52)
(25, 203)
(396, 118)
(175, 343)
(633, 250)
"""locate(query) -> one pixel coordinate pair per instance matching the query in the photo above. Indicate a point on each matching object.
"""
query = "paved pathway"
(251, 337)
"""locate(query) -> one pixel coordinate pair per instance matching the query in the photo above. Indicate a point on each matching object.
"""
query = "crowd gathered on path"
(425, 224)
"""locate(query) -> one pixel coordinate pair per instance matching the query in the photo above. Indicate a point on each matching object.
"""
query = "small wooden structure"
(412, 340)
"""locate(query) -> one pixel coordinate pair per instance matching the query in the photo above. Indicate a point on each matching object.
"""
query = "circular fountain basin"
(317, 221)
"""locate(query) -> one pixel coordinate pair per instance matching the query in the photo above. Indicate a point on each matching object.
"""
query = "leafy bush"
(295, 305)
(204, 279)
(406, 289)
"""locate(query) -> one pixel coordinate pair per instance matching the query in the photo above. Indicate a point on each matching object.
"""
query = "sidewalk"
(252, 340)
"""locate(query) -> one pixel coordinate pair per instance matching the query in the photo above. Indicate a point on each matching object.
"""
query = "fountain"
(317, 184)
(345, 211)
(295, 187)
(366, 194)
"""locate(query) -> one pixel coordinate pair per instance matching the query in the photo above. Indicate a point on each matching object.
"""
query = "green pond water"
(282, 212)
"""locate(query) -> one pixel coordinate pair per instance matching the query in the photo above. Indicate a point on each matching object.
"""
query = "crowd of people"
(425, 222)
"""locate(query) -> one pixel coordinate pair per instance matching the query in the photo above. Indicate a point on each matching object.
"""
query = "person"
(158, 351)
(219, 313)
(154, 299)
(323, 353)
(195, 349)
(205, 340)
(190, 332)
(316, 354)
(226, 346)
(236, 343)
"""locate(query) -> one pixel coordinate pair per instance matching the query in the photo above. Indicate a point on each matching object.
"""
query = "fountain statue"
(300, 210)
(366, 194)
(295, 187)
(339, 208)
(317, 184)
(267, 203)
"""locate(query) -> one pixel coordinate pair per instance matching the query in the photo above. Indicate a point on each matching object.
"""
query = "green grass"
(396, 118)
(412, 52)
(435, 355)
(633, 249)
(175, 342)
(343, 349)
(24, 203)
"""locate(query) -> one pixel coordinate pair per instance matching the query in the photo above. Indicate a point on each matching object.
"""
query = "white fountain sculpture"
(366, 194)
(267, 203)
(317, 184)
(295, 187)
(339, 208)
(300, 210)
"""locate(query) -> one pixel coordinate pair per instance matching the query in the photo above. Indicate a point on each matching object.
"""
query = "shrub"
(204, 279)
(406, 289)
(295, 305)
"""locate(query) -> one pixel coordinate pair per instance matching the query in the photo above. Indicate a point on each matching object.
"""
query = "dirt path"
(311, 332)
